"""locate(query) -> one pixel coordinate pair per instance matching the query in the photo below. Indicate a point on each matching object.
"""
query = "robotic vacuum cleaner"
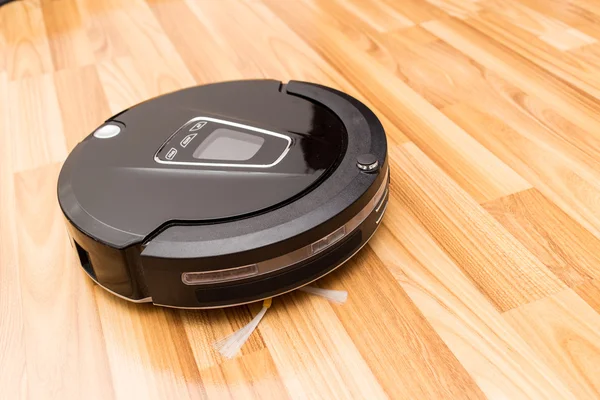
(225, 194)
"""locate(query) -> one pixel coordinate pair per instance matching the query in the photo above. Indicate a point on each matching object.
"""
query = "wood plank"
(314, 353)
(35, 115)
(497, 358)
(416, 10)
(27, 51)
(82, 101)
(590, 5)
(148, 355)
(561, 63)
(438, 75)
(145, 339)
(542, 26)
(146, 43)
(67, 39)
(570, 13)
(102, 29)
(377, 14)
(581, 107)
(548, 131)
(437, 71)
(65, 349)
(397, 334)
(457, 8)
(254, 376)
(204, 328)
(565, 247)
(590, 292)
(13, 380)
(122, 85)
(563, 179)
(471, 165)
(568, 342)
(184, 26)
(494, 260)
(3, 51)
(589, 54)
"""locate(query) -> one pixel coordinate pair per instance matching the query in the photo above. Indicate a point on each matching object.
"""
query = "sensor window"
(229, 145)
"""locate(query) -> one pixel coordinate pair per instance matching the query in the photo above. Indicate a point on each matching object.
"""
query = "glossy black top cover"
(170, 162)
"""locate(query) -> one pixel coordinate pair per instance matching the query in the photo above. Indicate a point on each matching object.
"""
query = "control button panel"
(171, 154)
(186, 140)
(205, 141)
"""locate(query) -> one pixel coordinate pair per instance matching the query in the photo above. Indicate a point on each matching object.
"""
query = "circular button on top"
(367, 162)
(107, 131)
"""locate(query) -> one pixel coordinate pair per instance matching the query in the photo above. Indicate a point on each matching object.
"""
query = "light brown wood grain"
(430, 67)
(142, 351)
(570, 251)
(3, 51)
(507, 273)
(561, 63)
(457, 8)
(204, 328)
(184, 25)
(408, 342)
(122, 85)
(26, 53)
(12, 345)
(102, 29)
(35, 123)
(83, 104)
(570, 13)
(254, 376)
(530, 78)
(64, 343)
(437, 71)
(156, 61)
(544, 27)
(497, 358)
(568, 342)
(590, 5)
(379, 15)
(69, 45)
(483, 279)
(335, 367)
(416, 10)
(561, 178)
(590, 292)
(251, 375)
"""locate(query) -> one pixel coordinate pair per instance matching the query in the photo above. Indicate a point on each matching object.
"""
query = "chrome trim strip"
(306, 252)
(248, 127)
(387, 189)
(244, 271)
(382, 212)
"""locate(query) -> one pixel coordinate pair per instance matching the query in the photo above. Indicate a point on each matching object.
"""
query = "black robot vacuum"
(225, 194)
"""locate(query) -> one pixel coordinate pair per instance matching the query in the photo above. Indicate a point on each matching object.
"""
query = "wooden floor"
(484, 280)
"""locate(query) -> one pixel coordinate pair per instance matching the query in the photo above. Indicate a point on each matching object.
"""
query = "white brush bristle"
(230, 345)
(337, 296)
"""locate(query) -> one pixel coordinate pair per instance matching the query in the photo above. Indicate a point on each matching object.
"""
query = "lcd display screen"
(229, 145)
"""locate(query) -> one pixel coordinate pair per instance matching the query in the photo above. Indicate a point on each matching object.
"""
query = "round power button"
(367, 162)
(107, 131)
